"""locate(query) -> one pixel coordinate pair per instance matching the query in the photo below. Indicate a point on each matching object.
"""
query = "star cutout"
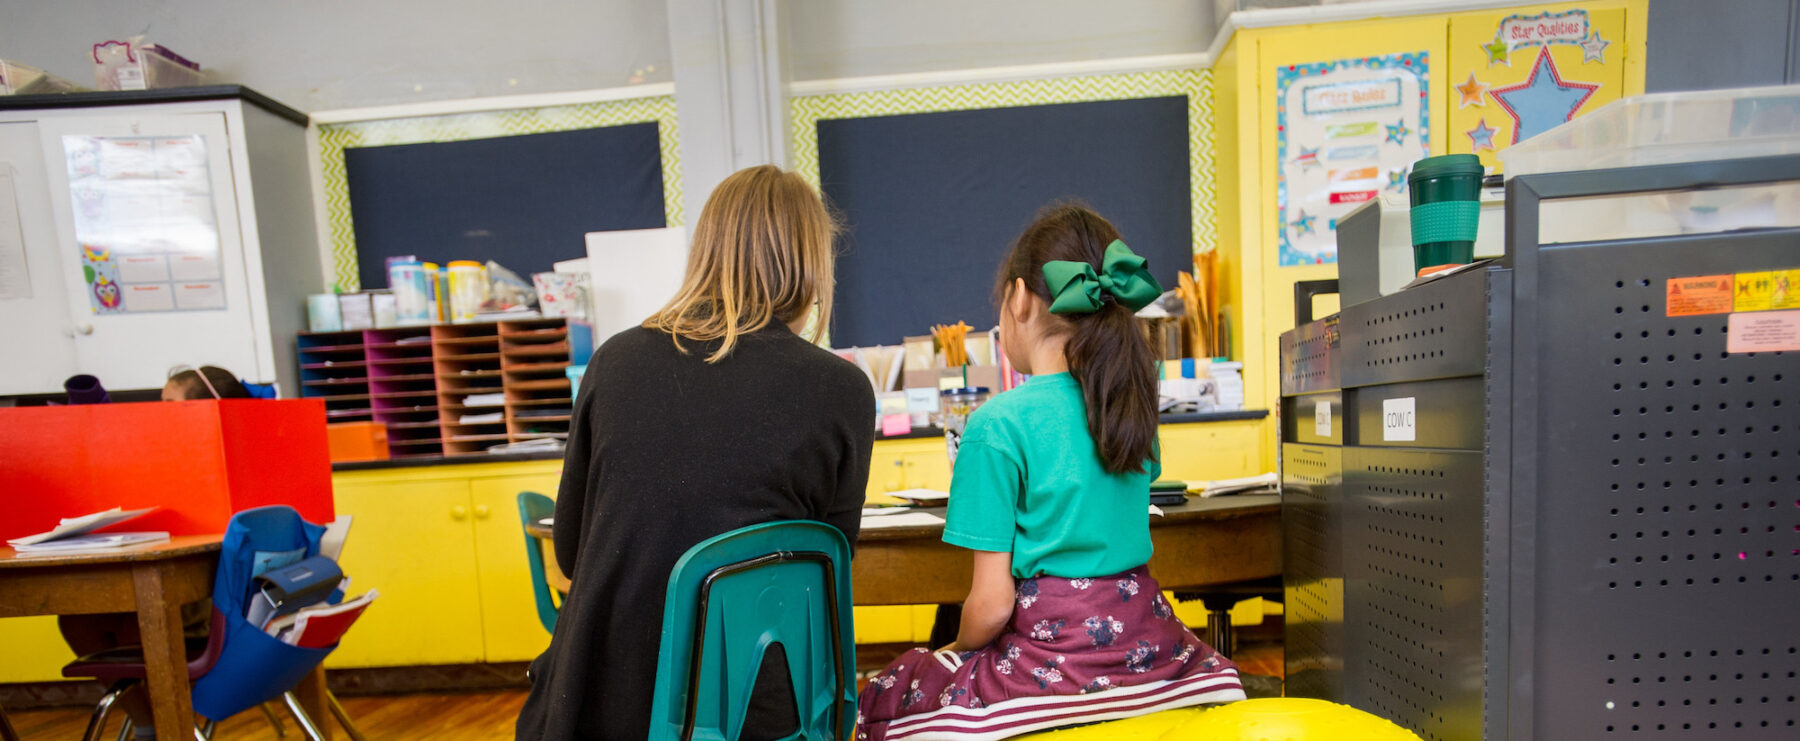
(1308, 159)
(1593, 48)
(1481, 138)
(1397, 132)
(1543, 100)
(1397, 179)
(1497, 52)
(1303, 224)
(1474, 92)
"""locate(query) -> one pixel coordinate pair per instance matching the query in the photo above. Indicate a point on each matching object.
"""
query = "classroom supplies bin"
(199, 461)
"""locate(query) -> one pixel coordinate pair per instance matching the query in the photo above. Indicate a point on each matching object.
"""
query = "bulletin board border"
(335, 138)
(805, 113)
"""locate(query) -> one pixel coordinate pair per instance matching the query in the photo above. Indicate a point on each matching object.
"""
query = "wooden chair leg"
(6, 729)
(343, 718)
(274, 720)
(307, 727)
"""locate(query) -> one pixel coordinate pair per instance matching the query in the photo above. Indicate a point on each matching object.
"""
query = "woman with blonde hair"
(714, 415)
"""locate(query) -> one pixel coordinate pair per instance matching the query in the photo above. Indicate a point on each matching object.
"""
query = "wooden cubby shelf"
(416, 380)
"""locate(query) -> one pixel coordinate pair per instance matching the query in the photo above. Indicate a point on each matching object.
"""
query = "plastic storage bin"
(24, 79)
(1667, 128)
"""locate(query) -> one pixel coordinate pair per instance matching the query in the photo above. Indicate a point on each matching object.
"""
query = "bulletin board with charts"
(1515, 74)
(1346, 130)
(145, 223)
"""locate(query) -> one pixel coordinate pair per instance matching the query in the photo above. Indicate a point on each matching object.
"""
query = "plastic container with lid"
(468, 289)
(1667, 128)
(954, 408)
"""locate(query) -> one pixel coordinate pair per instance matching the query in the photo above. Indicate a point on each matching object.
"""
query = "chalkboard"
(932, 201)
(522, 201)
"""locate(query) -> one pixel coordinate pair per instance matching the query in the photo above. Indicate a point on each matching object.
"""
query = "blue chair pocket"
(254, 667)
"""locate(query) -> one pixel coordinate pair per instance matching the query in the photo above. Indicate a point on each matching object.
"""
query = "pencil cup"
(954, 408)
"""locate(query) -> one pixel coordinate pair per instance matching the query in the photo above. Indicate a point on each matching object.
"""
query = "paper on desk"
(72, 526)
(1155, 511)
(884, 511)
(922, 496)
(92, 542)
(905, 519)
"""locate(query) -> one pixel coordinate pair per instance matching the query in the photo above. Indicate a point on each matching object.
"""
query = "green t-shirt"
(1028, 480)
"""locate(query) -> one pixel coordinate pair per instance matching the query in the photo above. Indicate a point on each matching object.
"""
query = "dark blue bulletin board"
(931, 201)
(523, 201)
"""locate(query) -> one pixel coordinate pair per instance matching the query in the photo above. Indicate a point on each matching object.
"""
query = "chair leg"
(307, 727)
(274, 720)
(6, 729)
(1218, 631)
(103, 709)
(125, 729)
(343, 718)
(206, 729)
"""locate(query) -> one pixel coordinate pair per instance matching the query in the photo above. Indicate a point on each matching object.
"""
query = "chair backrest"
(253, 666)
(730, 599)
(534, 507)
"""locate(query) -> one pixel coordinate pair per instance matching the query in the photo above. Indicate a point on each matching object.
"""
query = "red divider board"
(199, 461)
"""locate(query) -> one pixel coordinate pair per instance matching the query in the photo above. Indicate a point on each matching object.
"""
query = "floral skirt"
(1076, 651)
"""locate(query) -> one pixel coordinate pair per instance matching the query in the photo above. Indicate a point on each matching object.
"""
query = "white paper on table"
(921, 495)
(1155, 511)
(200, 295)
(71, 526)
(885, 511)
(92, 543)
(149, 297)
(909, 519)
(15, 279)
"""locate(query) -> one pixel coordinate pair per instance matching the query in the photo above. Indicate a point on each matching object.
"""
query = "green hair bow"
(1076, 289)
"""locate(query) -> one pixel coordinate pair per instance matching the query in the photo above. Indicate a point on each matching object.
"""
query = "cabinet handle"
(459, 512)
(481, 511)
(84, 329)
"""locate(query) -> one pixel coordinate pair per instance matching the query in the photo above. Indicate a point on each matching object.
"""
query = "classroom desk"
(152, 581)
(1202, 543)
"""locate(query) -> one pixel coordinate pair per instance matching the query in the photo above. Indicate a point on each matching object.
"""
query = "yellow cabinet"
(444, 546)
(413, 542)
(511, 630)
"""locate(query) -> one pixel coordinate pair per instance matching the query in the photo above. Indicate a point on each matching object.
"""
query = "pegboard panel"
(1668, 500)
(1311, 355)
(1313, 570)
(1435, 330)
(1413, 609)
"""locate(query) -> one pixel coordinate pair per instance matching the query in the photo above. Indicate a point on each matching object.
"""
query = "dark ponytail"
(1107, 350)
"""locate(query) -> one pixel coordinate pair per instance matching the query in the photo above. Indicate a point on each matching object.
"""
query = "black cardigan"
(667, 450)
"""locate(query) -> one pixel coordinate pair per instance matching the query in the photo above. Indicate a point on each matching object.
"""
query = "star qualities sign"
(1543, 100)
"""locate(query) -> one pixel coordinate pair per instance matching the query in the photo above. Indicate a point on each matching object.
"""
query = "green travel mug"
(1446, 207)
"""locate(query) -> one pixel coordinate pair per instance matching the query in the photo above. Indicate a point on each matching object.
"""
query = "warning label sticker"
(1766, 291)
(1706, 294)
(1773, 331)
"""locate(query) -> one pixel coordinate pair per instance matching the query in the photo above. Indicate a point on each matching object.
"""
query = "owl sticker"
(95, 254)
(106, 293)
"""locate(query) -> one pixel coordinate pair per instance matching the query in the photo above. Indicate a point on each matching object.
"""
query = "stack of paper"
(1266, 483)
(321, 625)
(76, 534)
(494, 399)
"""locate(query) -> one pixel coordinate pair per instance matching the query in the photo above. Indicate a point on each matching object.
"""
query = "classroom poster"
(1514, 75)
(145, 223)
(1346, 131)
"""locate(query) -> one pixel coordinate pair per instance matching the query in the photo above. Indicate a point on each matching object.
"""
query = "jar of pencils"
(954, 408)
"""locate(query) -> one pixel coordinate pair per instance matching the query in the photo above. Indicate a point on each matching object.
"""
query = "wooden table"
(153, 581)
(1202, 543)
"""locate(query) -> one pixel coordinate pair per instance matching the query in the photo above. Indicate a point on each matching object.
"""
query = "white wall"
(327, 54)
(830, 39)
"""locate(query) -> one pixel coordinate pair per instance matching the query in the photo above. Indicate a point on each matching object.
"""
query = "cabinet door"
(34, 313)
(147, 226)
(414, 542)
(509, 620)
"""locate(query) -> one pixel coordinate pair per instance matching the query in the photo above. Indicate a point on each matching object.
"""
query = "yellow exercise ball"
(1286, 719)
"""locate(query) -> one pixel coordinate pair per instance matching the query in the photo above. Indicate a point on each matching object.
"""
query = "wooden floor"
(442, 717)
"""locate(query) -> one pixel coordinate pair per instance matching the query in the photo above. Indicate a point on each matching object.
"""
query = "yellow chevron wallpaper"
(335, 138)
(807, 111)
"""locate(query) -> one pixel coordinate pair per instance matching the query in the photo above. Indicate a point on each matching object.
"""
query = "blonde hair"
(761, 253)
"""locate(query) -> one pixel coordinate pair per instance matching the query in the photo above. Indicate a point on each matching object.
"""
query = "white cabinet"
(156, 234)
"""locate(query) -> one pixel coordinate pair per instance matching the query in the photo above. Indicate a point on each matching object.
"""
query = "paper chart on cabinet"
(15, 279)
(145, 222)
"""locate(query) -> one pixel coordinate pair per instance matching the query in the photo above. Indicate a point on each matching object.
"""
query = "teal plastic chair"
(534, 507)
(732, 597)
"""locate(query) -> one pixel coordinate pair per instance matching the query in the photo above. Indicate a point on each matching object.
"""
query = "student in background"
(205, 382)
(715, 414)
(1052, 493)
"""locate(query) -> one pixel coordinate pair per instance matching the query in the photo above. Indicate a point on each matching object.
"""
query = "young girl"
(1063, 623)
